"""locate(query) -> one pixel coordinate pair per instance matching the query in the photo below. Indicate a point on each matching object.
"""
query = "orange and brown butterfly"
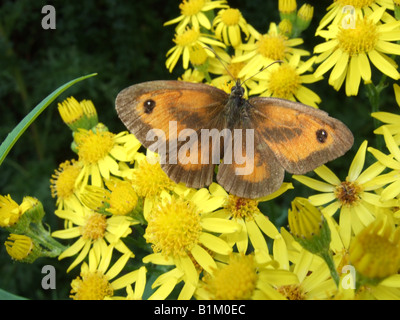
(269, 135)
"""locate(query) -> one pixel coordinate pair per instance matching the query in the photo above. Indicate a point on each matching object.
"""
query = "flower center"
(123, 198)
(284, 82)
(292, 292)
(348, 193)
(241, 207)
(173, 227)
(362, 38)
(92, 286)
(93, 147)
(188, 37)
(272, 46)
(236, 281)
(356, 3)
(149, 180)
(95, 227)
(191, 7)
(230, 17)
(63, 181)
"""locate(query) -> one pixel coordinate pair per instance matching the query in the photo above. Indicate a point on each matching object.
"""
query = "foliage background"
(125, 43)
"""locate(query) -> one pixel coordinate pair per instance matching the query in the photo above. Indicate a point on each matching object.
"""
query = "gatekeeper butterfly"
(282, 134)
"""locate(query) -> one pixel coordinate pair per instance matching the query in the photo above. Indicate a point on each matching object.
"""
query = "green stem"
(328, 258)
(207, 76)
(50, 246)
(373, 94)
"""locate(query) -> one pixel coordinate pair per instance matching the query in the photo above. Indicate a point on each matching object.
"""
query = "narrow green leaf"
(16, 133)
(5, 295)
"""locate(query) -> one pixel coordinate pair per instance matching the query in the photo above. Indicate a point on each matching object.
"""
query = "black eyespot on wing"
(149, 105)
(322, 135)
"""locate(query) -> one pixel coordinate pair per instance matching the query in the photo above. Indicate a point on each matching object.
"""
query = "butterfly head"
(237, 90)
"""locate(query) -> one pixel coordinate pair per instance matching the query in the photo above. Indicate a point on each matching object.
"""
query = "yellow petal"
(364, 66)
(214, 243)
(204, 259)
(358, 162)
(383, 65)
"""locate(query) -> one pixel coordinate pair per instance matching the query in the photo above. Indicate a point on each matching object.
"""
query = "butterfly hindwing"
(302, 138)
(251, 170)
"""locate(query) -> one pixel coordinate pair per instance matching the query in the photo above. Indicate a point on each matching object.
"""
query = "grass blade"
(16, 133)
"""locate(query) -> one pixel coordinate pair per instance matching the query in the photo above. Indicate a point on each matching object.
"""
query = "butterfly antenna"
(277, 61)
(222, 62)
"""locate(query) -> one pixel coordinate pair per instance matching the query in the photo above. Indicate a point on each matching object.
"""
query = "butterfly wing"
(254, 170)
(301, 138)
(172, 108)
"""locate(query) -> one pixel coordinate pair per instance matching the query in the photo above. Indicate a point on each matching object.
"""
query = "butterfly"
(197, 127)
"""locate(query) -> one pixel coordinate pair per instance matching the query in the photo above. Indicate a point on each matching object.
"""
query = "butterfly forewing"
(182, 111)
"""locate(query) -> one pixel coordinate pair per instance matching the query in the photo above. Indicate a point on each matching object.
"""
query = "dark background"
(125, 43)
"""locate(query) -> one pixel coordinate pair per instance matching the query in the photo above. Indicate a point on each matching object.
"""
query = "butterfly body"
(255, 139)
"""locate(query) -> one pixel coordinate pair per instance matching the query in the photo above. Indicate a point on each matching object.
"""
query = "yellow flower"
(349, 51)
(305, 220)
(95, 279)
(185, 40)
(340, 11)
(118, 199)
(192, 76)
(253, 223)
(375, 251)
(10, 211)
(78, 114)
(241, 278)
(265, 49)
(149, 180)
(286, 81)
(192, 12)
(94, 231)
(182, 234)
(228, 25)
(287, 8)
(19, 247)
(100, 151)
(227, 70)
(285, 27)
(63, 184)
(354, 196)
(304, 16)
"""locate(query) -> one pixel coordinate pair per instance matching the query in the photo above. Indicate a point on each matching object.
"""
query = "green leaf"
(16, 133)
(4, 295)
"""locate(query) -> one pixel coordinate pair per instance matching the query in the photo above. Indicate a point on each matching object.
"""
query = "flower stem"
(373, 94)
(328, 258)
